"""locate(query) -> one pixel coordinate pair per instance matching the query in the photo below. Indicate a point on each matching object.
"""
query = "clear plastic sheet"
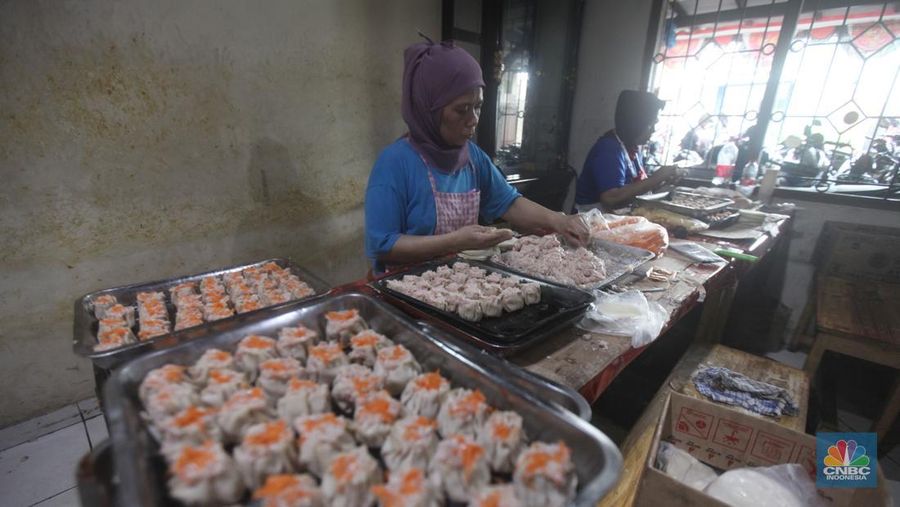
(625, 314)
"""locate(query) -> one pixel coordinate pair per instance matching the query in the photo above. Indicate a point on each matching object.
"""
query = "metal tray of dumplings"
(141, 473)
(713, 203)
(85, 329)
(510, 332)
(620, 260)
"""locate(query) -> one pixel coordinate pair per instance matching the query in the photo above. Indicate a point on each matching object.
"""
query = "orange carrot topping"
(343, 467)
(364, 384)
(113, 322)
(341, 316)
(417, 429)
(412, 481)
(275, 485)
(297, 332)
(257, 342)
(115, 334)
(220, 376)
(271, 266)
(173, 373)
(430, 381)
(271, 433)
(325, 352)
(502, 430)
(468, 404)
(380, 406)
(314, 423)
(276, 366)
(394, 353)
(190, 416)
(492, 500)
(219, 355)
(537, 460)
(196, 458)
(242, 397)
(393, 496)
(365, 339)
(297, 384)
(469, 453)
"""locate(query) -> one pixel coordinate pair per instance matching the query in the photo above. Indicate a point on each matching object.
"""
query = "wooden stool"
(860, 318)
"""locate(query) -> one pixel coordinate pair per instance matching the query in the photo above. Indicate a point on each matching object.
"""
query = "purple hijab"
(434, 75)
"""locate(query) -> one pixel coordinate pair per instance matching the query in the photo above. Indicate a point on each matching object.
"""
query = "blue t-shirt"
(606, 167)
(399, 199)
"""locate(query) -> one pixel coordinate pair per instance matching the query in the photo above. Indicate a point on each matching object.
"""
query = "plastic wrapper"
(683, 467)
(627, 230)
(625, 314)
(785, 485)
(671, 220)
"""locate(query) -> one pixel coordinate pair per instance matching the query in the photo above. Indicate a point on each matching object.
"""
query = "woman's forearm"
(410, 248)
(529, 217)
(616, 197)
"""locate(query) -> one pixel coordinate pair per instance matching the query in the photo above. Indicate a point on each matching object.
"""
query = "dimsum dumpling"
(407, 488)
(205, 475)
(193, 425)
(350, 477)
(353, 382)
(463, 412)
(267, 448)
(411, 443)
(221, 385)
(253, 350)
(374, 416)
(364, 347)
(295, 342)
(303, 397)
(274, 375)
(340, 326)
(503, 439)
(398, 366)
(496, 496)
(545, 476)
(324, 361)
(289, 490)
(322, 436)
(459, 468)
(212, 359)
(242, 410)
(424, 394)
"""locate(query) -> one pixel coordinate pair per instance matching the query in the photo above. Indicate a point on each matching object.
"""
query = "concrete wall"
(144, 140)
(610, 59)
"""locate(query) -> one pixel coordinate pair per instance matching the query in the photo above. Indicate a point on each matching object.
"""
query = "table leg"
(815, 356)
(885, 422)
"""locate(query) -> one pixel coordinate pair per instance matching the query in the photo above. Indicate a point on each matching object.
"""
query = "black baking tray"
(559, 306)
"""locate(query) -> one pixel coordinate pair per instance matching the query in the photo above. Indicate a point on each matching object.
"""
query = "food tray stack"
(86, 324)
(597, 462)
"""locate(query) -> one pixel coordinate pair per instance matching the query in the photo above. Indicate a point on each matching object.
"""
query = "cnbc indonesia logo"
(846, 461)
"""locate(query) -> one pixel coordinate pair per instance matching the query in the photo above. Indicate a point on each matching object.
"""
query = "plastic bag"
(627, 230)
(625, 314)
(671, 220)
(785, 485)
(683, 467)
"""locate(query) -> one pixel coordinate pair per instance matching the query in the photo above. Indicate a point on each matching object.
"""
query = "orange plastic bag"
(628, 230)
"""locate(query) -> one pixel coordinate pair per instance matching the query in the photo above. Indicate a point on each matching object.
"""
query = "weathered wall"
(150, 139)
(610, 59)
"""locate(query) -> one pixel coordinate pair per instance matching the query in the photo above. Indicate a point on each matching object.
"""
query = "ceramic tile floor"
(38, 457)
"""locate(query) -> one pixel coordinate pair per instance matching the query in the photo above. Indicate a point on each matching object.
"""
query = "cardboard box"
(727, 439)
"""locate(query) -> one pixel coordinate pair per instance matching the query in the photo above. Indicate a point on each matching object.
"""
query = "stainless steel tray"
(135, 452)
(85, 329)
(620, 260)
(666, 203)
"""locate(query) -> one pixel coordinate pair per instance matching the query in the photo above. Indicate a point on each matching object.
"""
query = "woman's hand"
(477, 237)
(573, 229)
(665, 174)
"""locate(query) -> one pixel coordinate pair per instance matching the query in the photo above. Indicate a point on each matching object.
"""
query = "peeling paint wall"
(151, 139)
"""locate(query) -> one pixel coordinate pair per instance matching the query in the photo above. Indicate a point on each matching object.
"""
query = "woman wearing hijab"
(428, 189)
(613, 172)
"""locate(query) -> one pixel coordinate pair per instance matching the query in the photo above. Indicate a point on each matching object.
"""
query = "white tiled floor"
(39, 457)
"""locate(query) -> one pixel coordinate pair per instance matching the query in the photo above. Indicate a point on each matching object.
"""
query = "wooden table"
(589, 362)
(860, 318)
